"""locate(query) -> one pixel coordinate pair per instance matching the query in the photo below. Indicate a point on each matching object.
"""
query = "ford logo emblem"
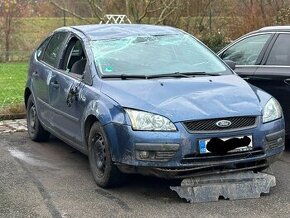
(223, 123)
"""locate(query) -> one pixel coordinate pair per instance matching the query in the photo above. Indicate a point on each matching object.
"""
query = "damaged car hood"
(182, 99)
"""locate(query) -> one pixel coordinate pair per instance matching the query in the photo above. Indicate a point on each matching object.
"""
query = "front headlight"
(272, 111)
(149, 122)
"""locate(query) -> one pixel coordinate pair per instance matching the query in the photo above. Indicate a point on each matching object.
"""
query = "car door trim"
(275, 66)
(58, 111)
(247, 66)
(265, 66)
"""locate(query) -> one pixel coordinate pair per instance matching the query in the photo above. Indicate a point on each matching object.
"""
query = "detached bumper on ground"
(234, 186)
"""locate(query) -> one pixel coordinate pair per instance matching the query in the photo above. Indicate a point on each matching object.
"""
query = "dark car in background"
(262, 58)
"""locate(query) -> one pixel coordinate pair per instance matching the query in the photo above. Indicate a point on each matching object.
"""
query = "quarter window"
(247, 51)
(41, 49)
(280, 53)
(53, 50)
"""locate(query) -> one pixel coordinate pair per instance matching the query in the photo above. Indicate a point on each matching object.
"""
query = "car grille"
(210, 125)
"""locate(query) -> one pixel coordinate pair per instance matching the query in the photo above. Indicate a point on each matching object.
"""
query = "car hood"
(181, 99)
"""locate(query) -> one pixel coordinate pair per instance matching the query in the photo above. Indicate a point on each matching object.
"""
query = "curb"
(11, 126)
(12, 116)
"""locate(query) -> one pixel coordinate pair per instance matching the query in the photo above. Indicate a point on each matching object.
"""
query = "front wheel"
(105, 173)
(35, 130)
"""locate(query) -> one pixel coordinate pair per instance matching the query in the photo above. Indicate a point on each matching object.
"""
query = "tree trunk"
(8, 20)
(128, 8)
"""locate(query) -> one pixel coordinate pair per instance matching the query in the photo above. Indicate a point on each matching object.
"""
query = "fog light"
(144, 154)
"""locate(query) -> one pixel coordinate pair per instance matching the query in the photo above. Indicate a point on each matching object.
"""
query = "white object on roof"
(115, 19)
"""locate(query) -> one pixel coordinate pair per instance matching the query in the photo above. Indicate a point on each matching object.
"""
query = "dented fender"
(106, 111)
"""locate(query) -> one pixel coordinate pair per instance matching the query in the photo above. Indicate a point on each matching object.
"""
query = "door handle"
(257, 78)
(246, 78)
(35, 74)
(287, 81)
(55, 84)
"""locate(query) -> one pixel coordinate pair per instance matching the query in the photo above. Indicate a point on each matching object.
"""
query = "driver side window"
(75, 58)
(247, 51)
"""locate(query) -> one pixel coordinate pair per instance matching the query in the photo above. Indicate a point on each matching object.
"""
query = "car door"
(67, 91)
(273, 75)
(38, 80)
(47, 56)
(247, 53)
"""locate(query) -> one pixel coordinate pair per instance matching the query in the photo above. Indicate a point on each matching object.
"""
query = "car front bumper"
(177, 155)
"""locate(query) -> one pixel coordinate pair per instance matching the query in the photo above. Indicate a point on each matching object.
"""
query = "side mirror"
(231, 64)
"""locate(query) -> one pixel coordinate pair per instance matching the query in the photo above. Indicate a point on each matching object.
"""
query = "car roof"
(110, 31)
(275, 29)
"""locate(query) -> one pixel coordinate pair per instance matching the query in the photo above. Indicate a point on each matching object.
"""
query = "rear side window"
(247, 51)
(54, 49)
(280, 53)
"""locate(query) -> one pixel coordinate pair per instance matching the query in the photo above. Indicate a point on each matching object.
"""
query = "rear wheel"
(35, 130)
(105, 173)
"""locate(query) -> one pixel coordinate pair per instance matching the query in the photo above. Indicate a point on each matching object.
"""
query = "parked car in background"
(262, 58)
(150, 100)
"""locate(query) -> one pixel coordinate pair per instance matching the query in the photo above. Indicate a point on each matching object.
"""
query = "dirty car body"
(149, 99)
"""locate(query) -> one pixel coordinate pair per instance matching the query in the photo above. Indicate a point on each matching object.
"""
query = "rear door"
(273, 75)
(48, 58)
(38, 80)
(247, 53)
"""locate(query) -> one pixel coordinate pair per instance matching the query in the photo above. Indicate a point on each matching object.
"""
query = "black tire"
(105, 173)
(35, 130)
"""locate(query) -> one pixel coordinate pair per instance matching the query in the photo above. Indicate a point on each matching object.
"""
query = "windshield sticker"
(109, 69)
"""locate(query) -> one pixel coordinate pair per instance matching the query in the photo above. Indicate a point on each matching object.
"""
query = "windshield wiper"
(176, 75)
(200, 73)
(125, 76)
(183, 74)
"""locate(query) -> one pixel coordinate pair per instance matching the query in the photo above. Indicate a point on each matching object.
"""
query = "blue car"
(151, 100)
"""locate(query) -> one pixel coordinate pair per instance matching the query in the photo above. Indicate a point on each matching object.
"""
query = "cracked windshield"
(152, 55)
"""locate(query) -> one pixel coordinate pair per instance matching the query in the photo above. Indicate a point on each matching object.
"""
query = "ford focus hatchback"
(151, 100)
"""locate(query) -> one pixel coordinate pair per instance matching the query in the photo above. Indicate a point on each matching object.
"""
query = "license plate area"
(203, 143)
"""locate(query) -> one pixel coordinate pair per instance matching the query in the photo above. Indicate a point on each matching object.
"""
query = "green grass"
(12, 82)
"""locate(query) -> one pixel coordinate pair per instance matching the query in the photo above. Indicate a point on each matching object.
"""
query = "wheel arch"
(90, 120)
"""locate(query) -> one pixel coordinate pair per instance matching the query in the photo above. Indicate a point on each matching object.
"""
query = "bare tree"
(8, 10)
(137, 10)
(71, 12)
